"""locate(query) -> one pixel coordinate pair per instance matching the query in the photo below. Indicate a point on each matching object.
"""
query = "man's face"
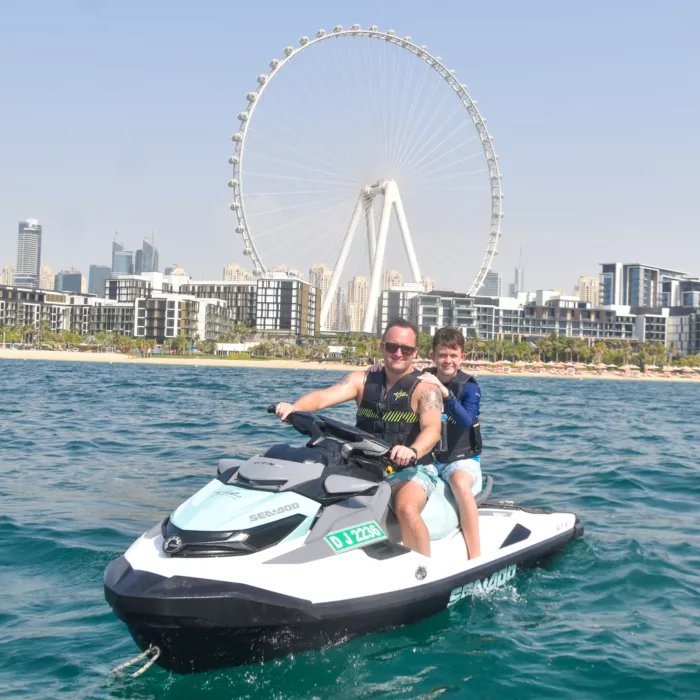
(399, 348)
(448, 361)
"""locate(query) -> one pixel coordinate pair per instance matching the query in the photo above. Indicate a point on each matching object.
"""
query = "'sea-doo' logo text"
(496, 580)
(274, 511)
(172, 545)
(400, 394)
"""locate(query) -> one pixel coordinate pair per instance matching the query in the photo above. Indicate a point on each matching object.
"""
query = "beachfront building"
(28, 271)
(428, 284)
(394, 303)
(47, 278)
(320, 277)
(358, 293)
(392, 278)
(287, 304)
(641, 286)
(240, 296)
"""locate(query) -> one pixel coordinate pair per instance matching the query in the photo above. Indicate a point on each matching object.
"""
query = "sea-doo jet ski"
(298, 548)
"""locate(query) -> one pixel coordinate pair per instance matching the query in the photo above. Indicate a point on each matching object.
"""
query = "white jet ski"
(299, 549)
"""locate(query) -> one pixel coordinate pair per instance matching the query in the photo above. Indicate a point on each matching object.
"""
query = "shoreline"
(111, 358)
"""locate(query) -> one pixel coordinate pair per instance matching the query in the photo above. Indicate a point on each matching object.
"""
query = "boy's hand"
(429, 378)
(375, 368)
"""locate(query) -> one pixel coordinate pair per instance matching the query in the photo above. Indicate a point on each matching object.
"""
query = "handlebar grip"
(272, 408)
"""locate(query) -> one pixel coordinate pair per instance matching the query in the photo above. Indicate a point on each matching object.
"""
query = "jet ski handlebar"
(319, 427)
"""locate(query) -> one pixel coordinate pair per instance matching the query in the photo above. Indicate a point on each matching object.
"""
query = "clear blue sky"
(118, 115)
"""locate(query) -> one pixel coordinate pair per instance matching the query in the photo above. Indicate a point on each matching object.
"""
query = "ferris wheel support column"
(405, 233)
(369, 225)
(378, 263)
(340, 262)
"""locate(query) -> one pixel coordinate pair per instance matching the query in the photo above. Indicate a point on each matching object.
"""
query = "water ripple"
(91, 456)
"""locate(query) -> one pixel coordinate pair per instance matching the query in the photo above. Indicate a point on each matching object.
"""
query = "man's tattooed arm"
(430, 399)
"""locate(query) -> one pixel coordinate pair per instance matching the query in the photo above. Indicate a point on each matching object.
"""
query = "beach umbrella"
(667, 368)
(687, 369)
(551, 362)
(652, 367)
(612, 366)
(520, 363)
(506, 362)
(626, 367)
(579, 365)
(560, 365)
(590, 364)
(601, 366)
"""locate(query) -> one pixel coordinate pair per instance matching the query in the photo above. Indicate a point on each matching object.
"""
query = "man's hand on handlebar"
(282, 410)
(402, 455)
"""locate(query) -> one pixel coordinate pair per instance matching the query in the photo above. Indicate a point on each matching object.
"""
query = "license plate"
(357, 536)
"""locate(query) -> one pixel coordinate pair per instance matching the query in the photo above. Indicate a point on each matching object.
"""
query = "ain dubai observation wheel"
(364, 124)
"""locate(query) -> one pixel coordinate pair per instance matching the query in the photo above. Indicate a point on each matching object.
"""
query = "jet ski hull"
(200, 624)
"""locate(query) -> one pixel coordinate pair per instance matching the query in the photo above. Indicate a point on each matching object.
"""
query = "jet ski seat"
(441, 514)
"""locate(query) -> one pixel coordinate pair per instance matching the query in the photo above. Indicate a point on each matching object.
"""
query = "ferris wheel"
(365, 128)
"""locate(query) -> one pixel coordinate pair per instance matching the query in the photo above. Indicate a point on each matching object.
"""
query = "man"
(459, 461)
(396, 407)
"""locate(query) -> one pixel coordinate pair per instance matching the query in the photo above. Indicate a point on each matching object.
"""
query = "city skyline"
(167, 163)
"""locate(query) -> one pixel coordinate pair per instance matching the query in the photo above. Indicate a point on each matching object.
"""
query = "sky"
(117, 116)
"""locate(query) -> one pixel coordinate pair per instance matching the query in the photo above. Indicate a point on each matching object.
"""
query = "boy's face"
(448, 361)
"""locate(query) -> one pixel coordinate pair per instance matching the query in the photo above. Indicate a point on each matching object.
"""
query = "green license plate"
(357, 536)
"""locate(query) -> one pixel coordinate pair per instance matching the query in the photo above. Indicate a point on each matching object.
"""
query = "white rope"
(153, 652)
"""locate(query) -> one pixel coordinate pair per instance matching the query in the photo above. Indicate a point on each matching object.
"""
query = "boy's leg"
(462, 476)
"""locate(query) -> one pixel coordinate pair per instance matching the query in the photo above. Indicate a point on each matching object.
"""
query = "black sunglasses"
(393, 348)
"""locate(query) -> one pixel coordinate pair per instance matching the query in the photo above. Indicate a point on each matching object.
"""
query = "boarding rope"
(153, 652)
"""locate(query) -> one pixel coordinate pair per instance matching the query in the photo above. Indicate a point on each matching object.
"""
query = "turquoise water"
(91, 456)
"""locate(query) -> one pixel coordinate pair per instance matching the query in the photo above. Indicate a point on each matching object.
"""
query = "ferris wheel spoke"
(314, 214)
(435, 160)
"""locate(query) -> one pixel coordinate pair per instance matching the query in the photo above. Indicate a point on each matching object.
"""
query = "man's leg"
(462, 482)
(409, 500)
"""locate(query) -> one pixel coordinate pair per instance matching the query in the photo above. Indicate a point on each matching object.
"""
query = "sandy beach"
(225, 362)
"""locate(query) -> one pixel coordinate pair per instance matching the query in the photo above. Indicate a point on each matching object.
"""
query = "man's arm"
(427, 401)
(346, 389)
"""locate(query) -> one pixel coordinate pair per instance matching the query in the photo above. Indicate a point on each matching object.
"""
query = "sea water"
(91, 455)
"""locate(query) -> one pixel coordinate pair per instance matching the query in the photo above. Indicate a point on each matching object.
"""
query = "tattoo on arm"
(344, 381)
(431, 399)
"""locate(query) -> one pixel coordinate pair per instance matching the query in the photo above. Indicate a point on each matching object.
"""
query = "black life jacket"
(462, 443)
(389, 415)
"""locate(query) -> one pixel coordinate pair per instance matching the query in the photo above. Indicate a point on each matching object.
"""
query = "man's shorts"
(471, 466)
(427, 475)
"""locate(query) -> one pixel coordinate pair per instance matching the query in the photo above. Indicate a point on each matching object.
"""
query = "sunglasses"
(393, 348)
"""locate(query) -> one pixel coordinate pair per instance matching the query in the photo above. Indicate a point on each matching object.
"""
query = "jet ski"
(298, 549)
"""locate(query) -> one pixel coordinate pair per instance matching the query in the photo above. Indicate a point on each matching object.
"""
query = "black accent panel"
(385, 550)
(298, 454)
(199, 543)
(224, 476)
(518, 534)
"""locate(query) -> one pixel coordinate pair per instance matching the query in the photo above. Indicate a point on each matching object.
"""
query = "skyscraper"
(492, 285)
(518, 283)
(320, 277)
(236, 273)
(122, 260)
(99, 274)
(428, 284)
(46, 277)
(8, 275)
(149, 255)
(358, 293)
(28, 269)
(588, 289)
(69, 281)
(392, 278)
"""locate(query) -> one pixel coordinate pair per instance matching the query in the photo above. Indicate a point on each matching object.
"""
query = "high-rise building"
(149, 255)
(337, 313)
(236, 273)
(518, 283)
(320, 277)
(588, 289)
(8, 274)
(428, 284)
(491, 286)
(287, 305)
(640, 286)
(122, 260)
(392, 278)
(69, 281)
(28, 269)
(99, 274)
(46, 277)
(175, 270)
(358, 293)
